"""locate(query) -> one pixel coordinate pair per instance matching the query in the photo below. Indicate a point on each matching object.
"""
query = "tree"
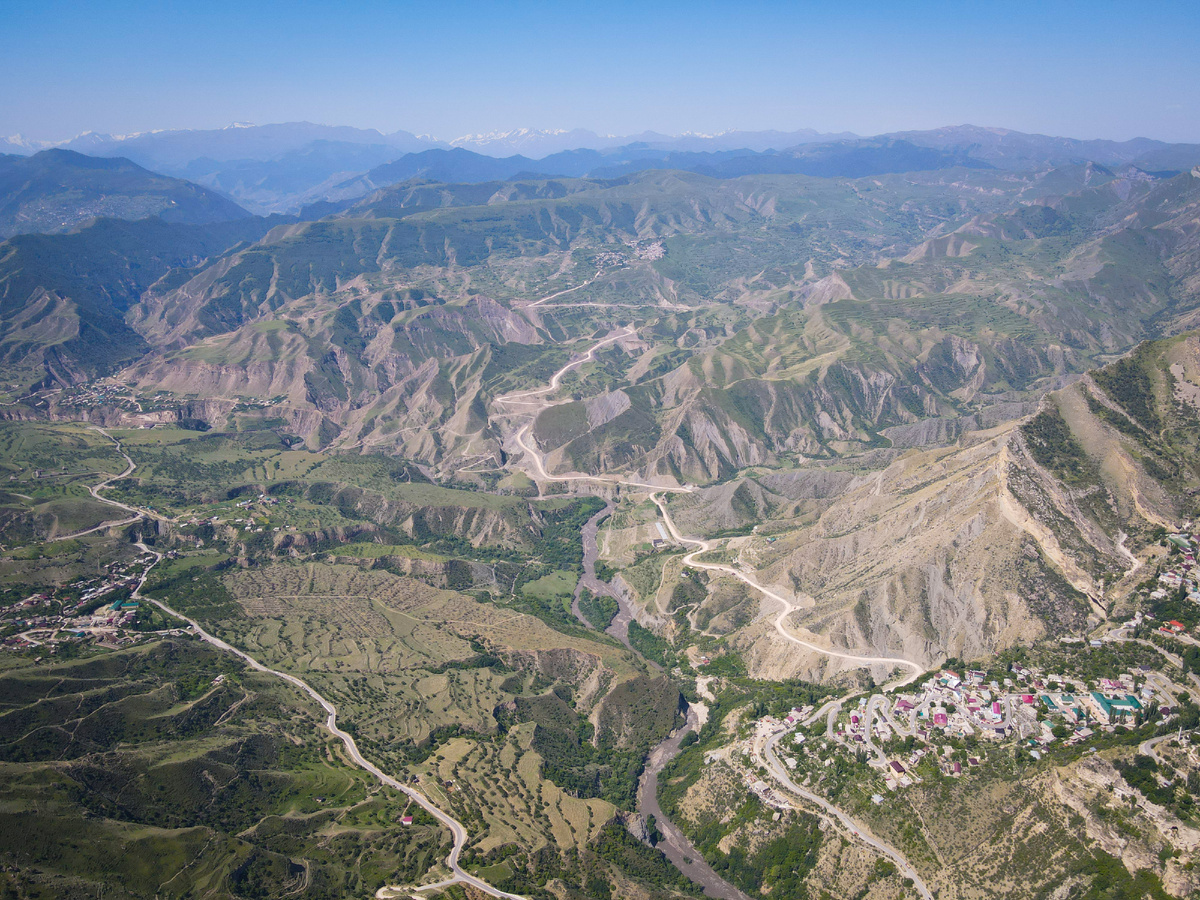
(652, 832)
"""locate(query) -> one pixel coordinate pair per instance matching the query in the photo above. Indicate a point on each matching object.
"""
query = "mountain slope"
(63, 298)
(56, 190)
(280, 168)
(270, 168)
(1015, 150)
(291, 179)
(939, 325)
(173, 150)
(955, 336)
(409, 271)
(1030, 530)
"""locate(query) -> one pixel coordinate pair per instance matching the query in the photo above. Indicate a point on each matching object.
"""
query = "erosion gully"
(674, 844)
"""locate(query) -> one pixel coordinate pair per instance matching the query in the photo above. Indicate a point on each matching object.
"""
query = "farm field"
(198, 776)
(406, 659)
(418, 675)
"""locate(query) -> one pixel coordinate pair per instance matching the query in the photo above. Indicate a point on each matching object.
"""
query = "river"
(674, 845)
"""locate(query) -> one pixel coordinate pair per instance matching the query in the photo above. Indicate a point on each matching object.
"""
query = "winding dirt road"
(676, 846)
(95, 489)
(916, 669)
(457, 830)
(567, 291)
(538, 400)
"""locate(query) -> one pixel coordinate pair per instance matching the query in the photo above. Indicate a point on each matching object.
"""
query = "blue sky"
(1113, 70)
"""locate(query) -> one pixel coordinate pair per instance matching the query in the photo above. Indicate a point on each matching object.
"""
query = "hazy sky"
(1094, 69)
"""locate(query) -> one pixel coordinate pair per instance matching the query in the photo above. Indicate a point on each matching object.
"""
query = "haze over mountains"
(243, 141)
(281, 168)
(56, 190)
(521, 448)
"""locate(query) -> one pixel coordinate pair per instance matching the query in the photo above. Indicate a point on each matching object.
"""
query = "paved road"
(857, 831)
(457, 830)
(1146, 748)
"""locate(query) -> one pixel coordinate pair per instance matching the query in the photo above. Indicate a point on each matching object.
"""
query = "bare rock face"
(1025, 531)
(349, 373)
(607, 406)
(1094, 782)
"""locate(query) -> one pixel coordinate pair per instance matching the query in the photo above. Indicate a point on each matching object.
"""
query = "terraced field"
(500, 782)
(405, 660)
(198, 777)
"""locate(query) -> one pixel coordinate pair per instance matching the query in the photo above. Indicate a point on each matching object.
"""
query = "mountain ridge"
(56, 190)
(281, 168)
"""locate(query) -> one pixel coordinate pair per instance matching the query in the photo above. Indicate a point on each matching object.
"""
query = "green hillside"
(58, 190)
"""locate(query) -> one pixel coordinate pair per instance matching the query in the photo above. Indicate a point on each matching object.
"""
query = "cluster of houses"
(648, 249)
(1183, 574)
(82, 611)
(764, 792)
(260, 500)
(951, 717)
(245, 523)
(100, 394)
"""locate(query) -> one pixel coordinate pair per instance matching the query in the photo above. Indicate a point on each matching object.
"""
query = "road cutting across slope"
(539, 399)
(915, 669)
(95, 489)
(457, 830)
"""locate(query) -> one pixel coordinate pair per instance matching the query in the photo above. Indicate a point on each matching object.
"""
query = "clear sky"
(1094, 69)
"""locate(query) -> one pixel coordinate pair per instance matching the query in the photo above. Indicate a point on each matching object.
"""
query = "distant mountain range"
(851, 159)
(286, 167)
(176, 149)
(271, 168)
(538, 144)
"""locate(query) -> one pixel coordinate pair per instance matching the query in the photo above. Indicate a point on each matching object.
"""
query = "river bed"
(674, 845)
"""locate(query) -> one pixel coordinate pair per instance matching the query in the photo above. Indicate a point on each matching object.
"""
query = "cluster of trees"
(1054, 447)
(600, 611)
(198, 593)
(616, 845)
(780, 866)
(1110, 880)
(651, 645)
(563, 739)
(1160, 784)
(1128, 383)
